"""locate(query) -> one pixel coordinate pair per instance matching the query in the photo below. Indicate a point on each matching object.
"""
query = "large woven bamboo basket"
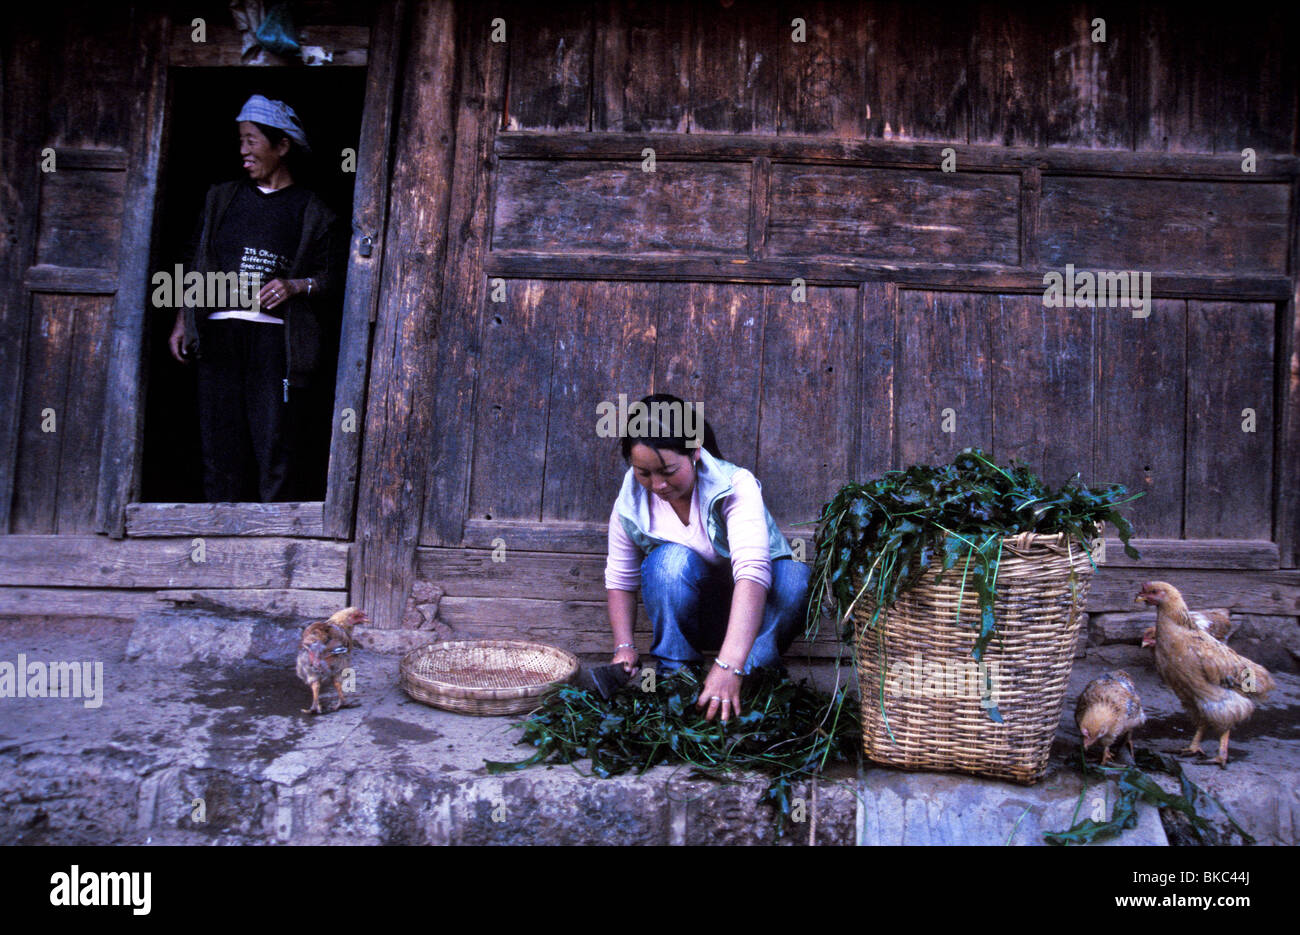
(485, 677)
(925, 701)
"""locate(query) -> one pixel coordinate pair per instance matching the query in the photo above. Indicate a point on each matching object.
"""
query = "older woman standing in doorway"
(250, 359)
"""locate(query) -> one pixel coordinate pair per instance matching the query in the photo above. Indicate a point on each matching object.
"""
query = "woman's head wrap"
(278, 114)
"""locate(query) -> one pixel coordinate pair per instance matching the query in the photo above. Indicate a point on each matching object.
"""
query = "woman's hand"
(176, 340)
(628, 657)
(720, 694)
(277, 291)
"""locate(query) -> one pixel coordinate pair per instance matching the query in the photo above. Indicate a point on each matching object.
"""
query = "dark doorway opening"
(200, 149)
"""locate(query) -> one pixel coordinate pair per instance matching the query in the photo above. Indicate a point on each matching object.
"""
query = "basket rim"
(471, 692)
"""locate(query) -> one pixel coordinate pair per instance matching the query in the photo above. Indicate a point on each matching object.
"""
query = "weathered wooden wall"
(522, 162)
(822, 160)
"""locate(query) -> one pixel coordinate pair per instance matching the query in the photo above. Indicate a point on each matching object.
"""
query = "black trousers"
(251, 437)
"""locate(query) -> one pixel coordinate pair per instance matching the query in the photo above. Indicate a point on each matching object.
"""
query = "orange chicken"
(1217, 686)
(326, 653)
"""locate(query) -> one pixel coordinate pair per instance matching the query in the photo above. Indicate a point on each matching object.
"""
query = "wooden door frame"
(120, 462)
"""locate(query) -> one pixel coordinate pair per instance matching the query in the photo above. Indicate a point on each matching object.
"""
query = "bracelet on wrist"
(734, 670)
(624, 646)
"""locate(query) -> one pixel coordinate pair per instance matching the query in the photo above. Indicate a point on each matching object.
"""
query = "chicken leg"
(1195, 746)
(343, 702)
(1222, 758)
(315, 700)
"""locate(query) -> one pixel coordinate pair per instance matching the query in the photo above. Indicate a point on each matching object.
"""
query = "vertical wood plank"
(735, 69)
(45, 394)
(1176, 84)
(943, 364)
(1043, 386)
(511, 409)
(642, 66)
(369, 213)
(1260, 82)
(1229, 471)
(1286, 523)
(464, 299)
(84, 420)
(822, 86)
(905, 41)
(1141, 401)
(875, 403)
(21, 135)
(805, 450)
(118, 462)
(604, 346)
(549, 83)
(399, 420)
(1089, 82)
(1009, 74)
(710, 350)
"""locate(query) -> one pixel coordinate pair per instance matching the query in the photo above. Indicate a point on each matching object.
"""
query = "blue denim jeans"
(689, 602)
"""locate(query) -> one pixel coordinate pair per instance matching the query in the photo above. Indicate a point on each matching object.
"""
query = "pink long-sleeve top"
(747, 537)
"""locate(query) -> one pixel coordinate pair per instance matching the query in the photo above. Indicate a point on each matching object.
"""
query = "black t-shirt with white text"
(260, 231)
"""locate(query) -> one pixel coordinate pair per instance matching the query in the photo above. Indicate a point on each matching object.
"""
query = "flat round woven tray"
(485, 677)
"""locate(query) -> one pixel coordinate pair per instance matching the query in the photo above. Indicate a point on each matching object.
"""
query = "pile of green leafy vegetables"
(788, 731)
(875, 540)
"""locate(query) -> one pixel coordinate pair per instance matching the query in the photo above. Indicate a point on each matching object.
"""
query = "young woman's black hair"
(663, 434)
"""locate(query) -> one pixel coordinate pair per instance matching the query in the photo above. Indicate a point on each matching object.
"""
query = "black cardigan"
(314, 258)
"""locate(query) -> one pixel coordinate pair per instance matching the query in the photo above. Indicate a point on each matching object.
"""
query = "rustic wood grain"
(1042, 386)
(561, 536)
(933, 40)
(810, 376)
(117, 460)
(1010, 63)
(942, 276)
(1257, 592)
(1141, 404)
(398, 426)
(361, 295)
(1089, 84)
(822, 90)
(550, 65)
(641, 66)
(127, 604)
(45, 388)
(929, 216)
(578, 626)
(875, 400)
(511, 405)
(604, 345)
(1164, 225)
(1194, 553)
(1258, 83)
(1230, 350)
(81, 217)
(96, 562)
(93, 78)
(1286, 517)
(583, 207)
(465, 303)
(23, 67)
(943, 362)
(119, 603)
(925, 155)
(83, 416)
(70, 280)
(734, 69)
(710, 351)
(153, 520)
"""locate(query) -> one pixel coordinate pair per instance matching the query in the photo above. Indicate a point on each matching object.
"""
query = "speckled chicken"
(1216, 685)
(326, 653)
(1107, 710)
